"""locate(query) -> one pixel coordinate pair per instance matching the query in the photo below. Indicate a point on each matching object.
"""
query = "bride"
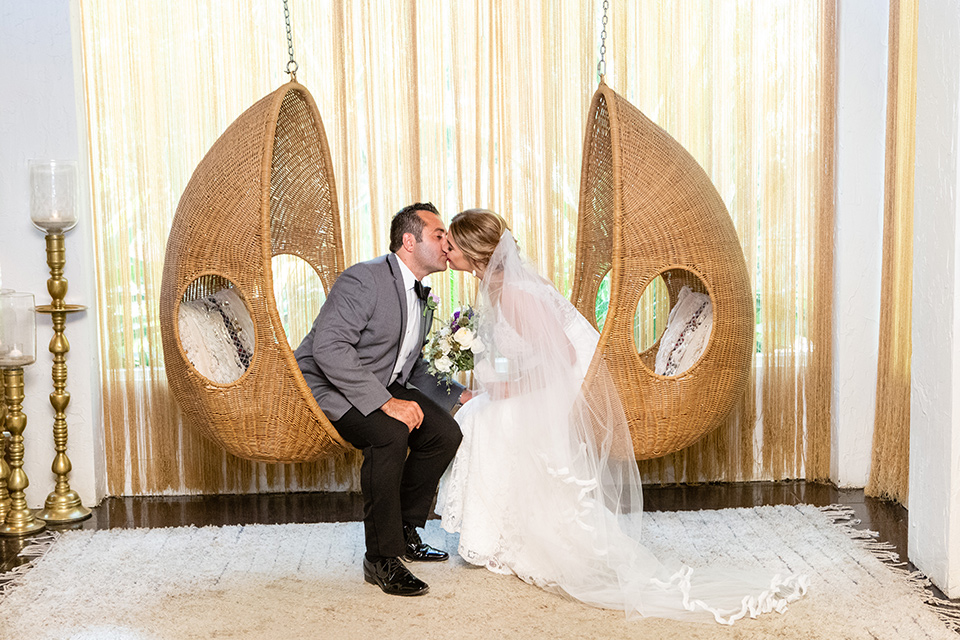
(545, 485)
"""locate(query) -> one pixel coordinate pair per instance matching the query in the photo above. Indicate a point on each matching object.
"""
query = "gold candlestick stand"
(63, 504)
(4, 467)
(20, 520)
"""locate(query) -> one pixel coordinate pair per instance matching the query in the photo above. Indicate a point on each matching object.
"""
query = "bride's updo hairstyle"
(476, 232)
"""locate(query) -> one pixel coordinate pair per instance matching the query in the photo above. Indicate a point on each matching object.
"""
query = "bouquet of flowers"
(451, 349)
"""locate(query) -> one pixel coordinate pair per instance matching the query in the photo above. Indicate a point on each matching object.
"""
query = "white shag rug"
(305, 581)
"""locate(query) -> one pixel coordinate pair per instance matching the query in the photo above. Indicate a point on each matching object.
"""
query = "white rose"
(464, 337)
(477, 346)
(444, 344)
(443, 364)
(445, 331)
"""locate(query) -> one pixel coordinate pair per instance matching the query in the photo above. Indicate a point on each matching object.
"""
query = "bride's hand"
(466, 396)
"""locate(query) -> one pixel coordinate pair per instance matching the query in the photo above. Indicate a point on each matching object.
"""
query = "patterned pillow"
(687, 333)
(217, 335)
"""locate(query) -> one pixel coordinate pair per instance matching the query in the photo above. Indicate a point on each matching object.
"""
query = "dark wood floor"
(887, 518)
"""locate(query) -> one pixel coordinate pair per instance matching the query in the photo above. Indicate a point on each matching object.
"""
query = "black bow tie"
(421, 290)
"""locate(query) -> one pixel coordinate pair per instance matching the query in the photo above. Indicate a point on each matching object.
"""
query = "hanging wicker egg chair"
(647, 209)
(264, 189)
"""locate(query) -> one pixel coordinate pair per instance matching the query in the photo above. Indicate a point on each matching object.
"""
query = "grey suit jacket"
(349, 354)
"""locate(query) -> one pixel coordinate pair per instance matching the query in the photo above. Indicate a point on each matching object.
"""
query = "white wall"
(934, 536)
(39, 119)
(861, 123)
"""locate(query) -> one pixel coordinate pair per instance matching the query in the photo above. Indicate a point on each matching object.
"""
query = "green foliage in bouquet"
(451, 349)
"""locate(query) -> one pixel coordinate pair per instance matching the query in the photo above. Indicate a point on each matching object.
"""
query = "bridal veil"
(545, 485)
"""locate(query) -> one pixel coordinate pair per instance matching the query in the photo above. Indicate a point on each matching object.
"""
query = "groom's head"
(407, 220)
(417, 237)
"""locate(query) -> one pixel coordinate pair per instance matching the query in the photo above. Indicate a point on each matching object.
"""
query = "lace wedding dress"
(544, 485)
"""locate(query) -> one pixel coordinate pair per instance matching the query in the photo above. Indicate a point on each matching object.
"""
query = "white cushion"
(687, 333)
(217, 335)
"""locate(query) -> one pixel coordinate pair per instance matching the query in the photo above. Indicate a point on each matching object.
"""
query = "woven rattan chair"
(647, 209)
(264, 189)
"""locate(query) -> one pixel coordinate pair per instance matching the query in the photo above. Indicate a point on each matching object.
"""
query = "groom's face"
(429, 253)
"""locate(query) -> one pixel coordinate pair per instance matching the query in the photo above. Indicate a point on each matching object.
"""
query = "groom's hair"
(407, 221)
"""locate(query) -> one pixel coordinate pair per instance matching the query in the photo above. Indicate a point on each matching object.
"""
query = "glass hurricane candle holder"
(18, 329)
(53, 195)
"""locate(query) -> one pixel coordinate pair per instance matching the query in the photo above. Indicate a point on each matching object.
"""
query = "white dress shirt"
(411, 336)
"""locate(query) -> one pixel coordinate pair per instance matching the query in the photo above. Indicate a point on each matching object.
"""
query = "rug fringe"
(844, 517)
(35, 549)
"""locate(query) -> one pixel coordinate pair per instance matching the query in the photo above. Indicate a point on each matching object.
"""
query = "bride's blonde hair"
(476, 232)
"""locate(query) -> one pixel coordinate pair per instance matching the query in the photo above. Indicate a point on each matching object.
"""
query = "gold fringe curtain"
(162, 81)
(818, 386)
(464, 103)
(748, 89)
(891, 432)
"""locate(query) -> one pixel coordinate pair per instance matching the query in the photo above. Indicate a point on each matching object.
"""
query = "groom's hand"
(406, 411)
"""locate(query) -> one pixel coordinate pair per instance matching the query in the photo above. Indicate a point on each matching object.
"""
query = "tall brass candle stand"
(63, 504)
(20, 520)
(4, 467)
(53, 209)
(18, 334)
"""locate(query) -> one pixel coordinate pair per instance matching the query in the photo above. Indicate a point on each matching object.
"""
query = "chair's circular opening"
(215, 329)
(298, 292)
(650, 317)
(673, 322)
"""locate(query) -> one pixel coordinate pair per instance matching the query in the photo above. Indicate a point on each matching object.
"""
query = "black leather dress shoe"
(418, 551)
(393, 577)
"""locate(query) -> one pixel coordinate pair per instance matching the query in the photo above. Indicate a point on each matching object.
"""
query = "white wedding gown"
(544, 485)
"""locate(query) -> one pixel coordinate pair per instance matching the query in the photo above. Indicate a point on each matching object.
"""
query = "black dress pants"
(399, 487)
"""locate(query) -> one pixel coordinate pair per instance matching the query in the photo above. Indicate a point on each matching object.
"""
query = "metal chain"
(292, 65)
(602, 65)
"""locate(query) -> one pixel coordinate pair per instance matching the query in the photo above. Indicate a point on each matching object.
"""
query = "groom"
(362, 362)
